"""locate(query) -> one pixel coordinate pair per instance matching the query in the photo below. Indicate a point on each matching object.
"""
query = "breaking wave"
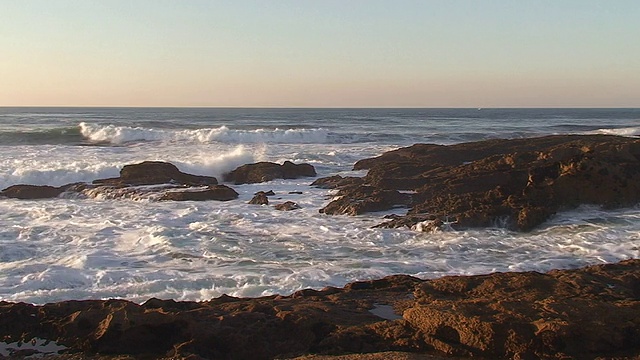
(61, 172)
(626, 131)
(125, 134)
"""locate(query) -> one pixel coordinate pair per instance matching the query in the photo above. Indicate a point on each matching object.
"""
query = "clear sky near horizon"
(329, 53)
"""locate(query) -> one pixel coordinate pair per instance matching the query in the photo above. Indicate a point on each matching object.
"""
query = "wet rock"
(267, 171)
(26, 192)
(260, 198)
(151, 180)
(215, 192)
(337, 182)
(154, 173)
(287, 206)
(363, 199)
(587, 313)
(517, 183)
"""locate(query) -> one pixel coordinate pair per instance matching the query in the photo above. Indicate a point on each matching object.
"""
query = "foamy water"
(93, 248)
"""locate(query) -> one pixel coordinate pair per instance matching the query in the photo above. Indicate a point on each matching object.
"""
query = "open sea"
(97, 248)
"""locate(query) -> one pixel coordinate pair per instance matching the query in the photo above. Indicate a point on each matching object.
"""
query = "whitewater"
(135, 249)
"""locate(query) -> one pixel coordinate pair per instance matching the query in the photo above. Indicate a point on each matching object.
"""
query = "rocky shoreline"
(586, 313)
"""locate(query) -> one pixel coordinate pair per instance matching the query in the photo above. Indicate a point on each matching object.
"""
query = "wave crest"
(125, 134)
(59, 173)
(627, 131)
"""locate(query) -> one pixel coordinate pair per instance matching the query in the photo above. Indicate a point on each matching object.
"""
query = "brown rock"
(260, 198)
(287, 206)
(363, 199)
(154, 173)
(575, 314)
(517, 183)
(32, 191)
(215, 192)
(267, 171)
(337, 182)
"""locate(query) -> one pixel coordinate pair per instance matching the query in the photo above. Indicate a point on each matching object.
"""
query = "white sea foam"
(626, 131)
(60, 169)
(92, 248)
(126, 134)
(57, 173)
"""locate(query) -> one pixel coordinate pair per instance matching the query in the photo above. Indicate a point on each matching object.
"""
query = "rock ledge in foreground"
(570, 314)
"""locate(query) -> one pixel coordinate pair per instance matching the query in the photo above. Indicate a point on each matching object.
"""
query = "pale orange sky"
(361, 53)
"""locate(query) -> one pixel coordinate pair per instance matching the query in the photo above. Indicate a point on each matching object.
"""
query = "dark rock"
(260, 199)
(295, 192)
(26, 192)
(517, 183)
(287, 206)
(571, 314)
(337, 182)
(363, 199)
(149, 180)
(267, 171)
(215, 192)
(268, 193)
(154, 173)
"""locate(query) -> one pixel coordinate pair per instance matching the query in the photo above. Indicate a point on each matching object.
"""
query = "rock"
(586, 313)
(268, 193)
(267, 171)
(260, 199)
(215, 192)
(154, 173)
(337, 182)
(363, 199)
(287, 206)
(152, 180)
(518, 183)
(26, 192)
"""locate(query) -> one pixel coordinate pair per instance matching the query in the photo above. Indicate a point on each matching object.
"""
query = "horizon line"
(316, 108)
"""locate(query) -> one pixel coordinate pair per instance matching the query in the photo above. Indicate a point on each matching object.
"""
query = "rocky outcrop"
(267, 171)
(564, 314)
(153, 180)
(517, 182)
(26, 192)
(215, 192)
(154, 173)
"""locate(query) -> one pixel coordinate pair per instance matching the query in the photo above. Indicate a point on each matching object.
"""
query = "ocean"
(97, 248)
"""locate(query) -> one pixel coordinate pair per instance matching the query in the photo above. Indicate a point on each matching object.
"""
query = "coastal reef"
(517, 183)
(587, 313)
(158, 180)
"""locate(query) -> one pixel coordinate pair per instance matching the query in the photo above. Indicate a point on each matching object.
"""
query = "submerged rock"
(519, 182)
(570, 314)
(260, 198)
(267, 171)
(287, 206)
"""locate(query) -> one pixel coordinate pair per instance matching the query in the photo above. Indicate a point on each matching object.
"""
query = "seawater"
(97, 248)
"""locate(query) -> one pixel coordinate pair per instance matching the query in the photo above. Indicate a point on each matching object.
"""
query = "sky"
(320, 53)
